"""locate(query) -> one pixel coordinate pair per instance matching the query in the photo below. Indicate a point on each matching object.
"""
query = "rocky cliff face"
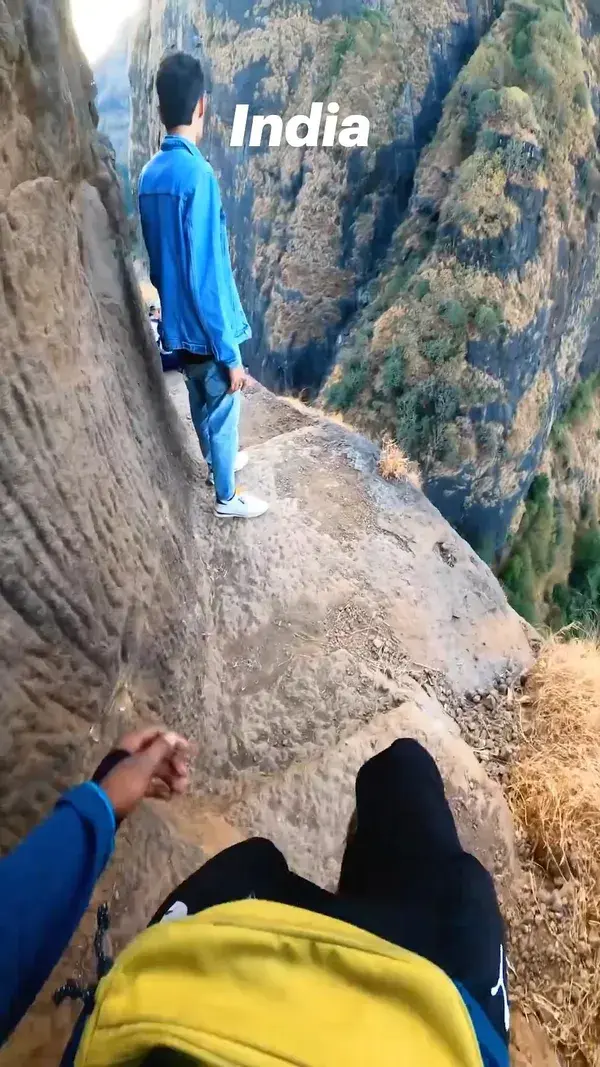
(479, 324)
(95, 566)
(310, 226)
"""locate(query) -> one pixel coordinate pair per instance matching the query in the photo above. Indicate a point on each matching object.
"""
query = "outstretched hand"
(238, 379)
(157, 767)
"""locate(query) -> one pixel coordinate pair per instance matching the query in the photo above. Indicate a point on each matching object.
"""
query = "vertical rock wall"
(99, 601)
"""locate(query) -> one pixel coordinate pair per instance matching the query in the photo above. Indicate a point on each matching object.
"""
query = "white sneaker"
(241, 460)
(241, 506)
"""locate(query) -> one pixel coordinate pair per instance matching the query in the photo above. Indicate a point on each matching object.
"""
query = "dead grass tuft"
(554, 792)
(393, 465)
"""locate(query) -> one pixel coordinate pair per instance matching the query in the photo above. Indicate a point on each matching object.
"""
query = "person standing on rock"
(203, 321)
(247, 963)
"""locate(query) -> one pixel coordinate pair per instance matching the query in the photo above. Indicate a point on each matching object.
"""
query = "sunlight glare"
(98, 22)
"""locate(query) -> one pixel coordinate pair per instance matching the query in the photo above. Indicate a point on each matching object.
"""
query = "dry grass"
(556, 785)
(393, 465)
(477, 202)
(529, 414)
(316, 411)
(554, 792)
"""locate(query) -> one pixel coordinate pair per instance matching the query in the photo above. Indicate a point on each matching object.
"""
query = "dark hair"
(180, 85)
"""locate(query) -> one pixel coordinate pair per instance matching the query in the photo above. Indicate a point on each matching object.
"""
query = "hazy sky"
(98, 21)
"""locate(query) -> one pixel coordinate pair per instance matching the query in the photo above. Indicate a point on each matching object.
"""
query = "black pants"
(404, 877)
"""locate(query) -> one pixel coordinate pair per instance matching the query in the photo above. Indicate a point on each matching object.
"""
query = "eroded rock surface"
(98, 613)
(350, 615)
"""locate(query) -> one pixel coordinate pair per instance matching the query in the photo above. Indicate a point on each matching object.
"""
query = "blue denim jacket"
(184, 228)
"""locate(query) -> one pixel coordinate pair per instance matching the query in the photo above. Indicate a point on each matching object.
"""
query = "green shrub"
(539, 72)
(585, 572)
(533, 550)
(561, 522)
(489, 140)
(518, 159)
(408, 421)
(487, 103)
(519, 583)
(371, 20)
(423, 411)
(440, 349)
(421, 288)
(541, 537)
(589, 177)
(477, 202)
(539, 489)
(447, 445)
(516, 107)
(377, 19)
(486, 438)
(578, 602)
(521, 46)
(441, 399)
(575, 608)
(395, 284)
(488, 321)
(581, 96)
(393, 373)
(339, 51)
(454, 314)
(342, 394)
(581, 402)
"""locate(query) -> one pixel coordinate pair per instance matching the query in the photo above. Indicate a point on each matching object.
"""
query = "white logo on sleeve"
(178, 910)
(501, 985)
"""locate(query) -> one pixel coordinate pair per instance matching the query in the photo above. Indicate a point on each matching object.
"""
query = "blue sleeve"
(45, 887)
(210, 268)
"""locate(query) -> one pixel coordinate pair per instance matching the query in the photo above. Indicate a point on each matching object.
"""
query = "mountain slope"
(477, 328)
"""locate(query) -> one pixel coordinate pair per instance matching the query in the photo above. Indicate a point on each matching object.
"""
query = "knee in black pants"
(253, 868)
(404, 825)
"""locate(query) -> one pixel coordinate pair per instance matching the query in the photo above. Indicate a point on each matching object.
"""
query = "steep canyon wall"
(478, 328)
(96, 568)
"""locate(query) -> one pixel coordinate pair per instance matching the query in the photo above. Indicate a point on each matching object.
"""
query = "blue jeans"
(216, 417)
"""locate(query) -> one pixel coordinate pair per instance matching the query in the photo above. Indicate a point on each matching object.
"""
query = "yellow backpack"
(258, 984)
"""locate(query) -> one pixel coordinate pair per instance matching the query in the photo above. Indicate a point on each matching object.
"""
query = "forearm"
(45, 887)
